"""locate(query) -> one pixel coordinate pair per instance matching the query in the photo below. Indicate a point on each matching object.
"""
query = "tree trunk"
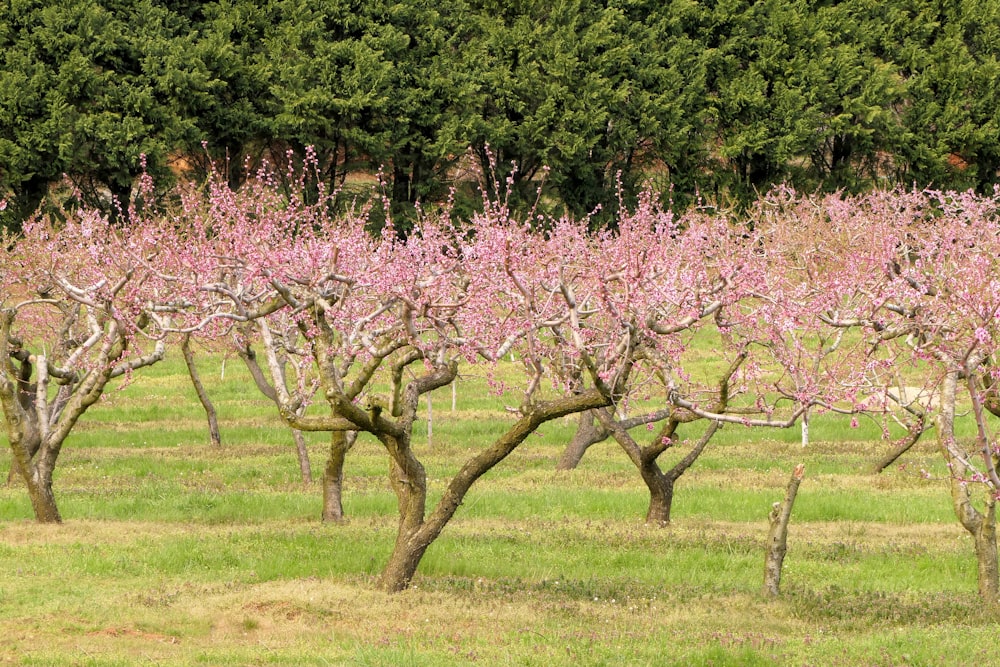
(35, 470)
(37, 476)
(660, 484)
(777, 540)
(333, 492)
(409, 481)
(587, 433)
(199, 388)
(333, 477)
(403, 562)
(981, 526)
(901, 447)
(305, 467)
(661, 494)
(29, 438)
(43, 501)
(986, 553)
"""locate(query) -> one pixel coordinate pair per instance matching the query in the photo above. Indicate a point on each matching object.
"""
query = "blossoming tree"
(80, 307)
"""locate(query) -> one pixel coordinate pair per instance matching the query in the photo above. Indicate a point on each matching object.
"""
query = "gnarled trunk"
(31, 442)
(661, 493)
(587, 433)
(43, 500)
(213, 420)
(982, 526)
(410, 483)
(28, 460)
(333, 476)
(660, 484)
(35, 470)
(403, 562)
(409, 480)
(986, 553)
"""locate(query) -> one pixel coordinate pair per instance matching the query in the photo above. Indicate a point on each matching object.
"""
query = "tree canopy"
(595, 98)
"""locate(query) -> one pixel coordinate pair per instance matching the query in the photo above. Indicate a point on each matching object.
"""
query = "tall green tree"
(328, 78)
(600, 93)
(429, 124)
(235, 122)
(800, 93)
(86, 89)
(948, 53)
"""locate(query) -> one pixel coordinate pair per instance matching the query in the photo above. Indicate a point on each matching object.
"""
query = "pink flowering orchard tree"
(80, 308)
(759, 302)
(916, 273)
(448, 300)
(383, 321)
(662, 276)
(667, 280)
(224, 243)
(840, 250)
(818, 279)
(944, 300)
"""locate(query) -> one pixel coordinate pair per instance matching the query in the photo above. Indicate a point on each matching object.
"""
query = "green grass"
(178, 553)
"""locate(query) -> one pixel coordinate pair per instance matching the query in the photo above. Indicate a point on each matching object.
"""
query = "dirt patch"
(117, 632)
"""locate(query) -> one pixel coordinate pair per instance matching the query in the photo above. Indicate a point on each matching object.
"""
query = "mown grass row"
(177, 553)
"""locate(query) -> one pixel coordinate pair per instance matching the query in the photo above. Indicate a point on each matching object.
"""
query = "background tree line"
(718, 99)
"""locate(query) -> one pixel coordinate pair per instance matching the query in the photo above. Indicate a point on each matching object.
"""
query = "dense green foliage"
(721, 97)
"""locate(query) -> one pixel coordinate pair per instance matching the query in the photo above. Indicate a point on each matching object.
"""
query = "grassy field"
(177, 553)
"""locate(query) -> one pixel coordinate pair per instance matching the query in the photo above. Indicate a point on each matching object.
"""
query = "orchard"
(814, 304)
(811, 306)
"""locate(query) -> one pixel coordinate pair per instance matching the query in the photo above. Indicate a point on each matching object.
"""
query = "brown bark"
(408, 479)
(410, 483)
(587, 433)
(777, 539)
(28, 458)
(988, 575)
(333, 476)
(43, 500)
(664, 497)
(302, 453)
(24, 393)
(901, 446)
(199, 388)
(659, 483)
(661, 495)
(982, 526)
(31, 442)
(36, 472)
(249, 358)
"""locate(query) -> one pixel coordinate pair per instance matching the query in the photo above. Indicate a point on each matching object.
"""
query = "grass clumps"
(175, 552)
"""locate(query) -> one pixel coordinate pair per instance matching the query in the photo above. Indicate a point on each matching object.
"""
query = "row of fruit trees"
(815, 305)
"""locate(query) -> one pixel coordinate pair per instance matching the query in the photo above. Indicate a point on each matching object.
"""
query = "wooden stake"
(777, 540)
